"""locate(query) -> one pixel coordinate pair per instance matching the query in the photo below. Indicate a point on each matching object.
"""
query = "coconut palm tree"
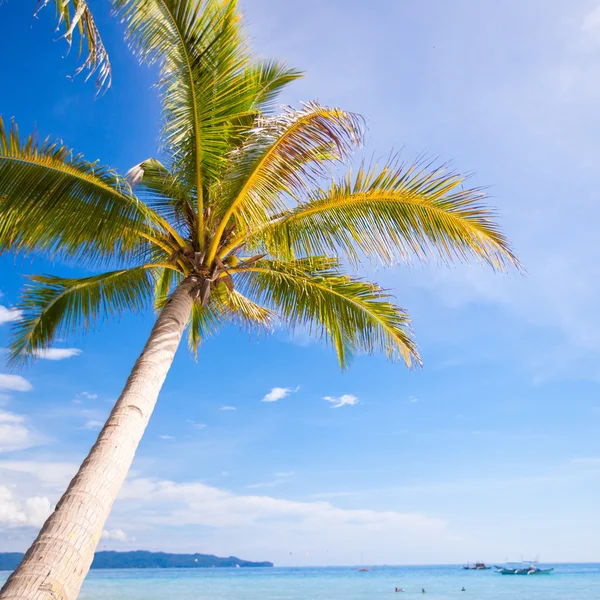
(242, 220)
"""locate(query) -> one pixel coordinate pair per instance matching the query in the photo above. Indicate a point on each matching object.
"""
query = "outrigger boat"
(524, 569)
(479, 566)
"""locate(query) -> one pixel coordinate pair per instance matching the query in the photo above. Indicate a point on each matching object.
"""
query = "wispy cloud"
(196, 425)
(345, 400)
(279, 393)
(166, 437)
(15, 434)
(8, 315)
(285, 474)
(412, 400)
(265, 484)
(14, 383)
(114, 535)
(28, 512)
(228, 408)
(93, 425)
(84, 396)
(57, 353)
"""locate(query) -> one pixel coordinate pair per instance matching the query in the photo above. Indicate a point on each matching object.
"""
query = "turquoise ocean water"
(573, 582)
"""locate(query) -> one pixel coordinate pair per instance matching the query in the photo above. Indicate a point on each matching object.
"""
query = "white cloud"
(9, 314)
(84, 396)
(15, 383)
(196, 425)
(57, 353)
(93, 425)
(228, 408)
(54, 475)
(166, 437)
(278, 393)
(284, 474)
(265, 484)
(30, 512)
(412, 400)
(14, 433)
(345, 400)
(115, 535)
(273, 527)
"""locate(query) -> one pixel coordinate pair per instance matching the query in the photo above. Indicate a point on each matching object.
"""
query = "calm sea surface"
(336, 583)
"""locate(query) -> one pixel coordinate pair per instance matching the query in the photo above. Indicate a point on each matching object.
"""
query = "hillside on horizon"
(144, 559)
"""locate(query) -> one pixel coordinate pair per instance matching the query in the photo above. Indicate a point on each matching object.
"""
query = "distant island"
(141, 559)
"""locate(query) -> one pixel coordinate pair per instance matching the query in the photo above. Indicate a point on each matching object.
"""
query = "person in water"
(399, 589)
(463, 590)
(422, 590)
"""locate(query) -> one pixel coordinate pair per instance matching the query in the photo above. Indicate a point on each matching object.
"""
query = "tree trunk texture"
(56, 564)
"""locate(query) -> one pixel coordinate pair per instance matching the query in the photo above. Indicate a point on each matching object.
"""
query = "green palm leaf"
(226, 306)
(74, 16)
(56, 202)
(204, 60)
(355, 315)
(395, 212)
(55, 305)
(282, 157)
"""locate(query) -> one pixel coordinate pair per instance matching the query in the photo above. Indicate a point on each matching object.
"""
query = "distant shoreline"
(142, 559)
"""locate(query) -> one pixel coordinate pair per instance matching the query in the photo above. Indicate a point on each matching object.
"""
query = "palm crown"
(243, 203)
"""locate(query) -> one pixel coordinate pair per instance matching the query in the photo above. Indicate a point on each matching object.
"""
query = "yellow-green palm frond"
(166, 281)
(165, 194)
(54, 201)
(268, 78)
(74, 16)
(204, 322)
(391, 213)
(203, 59)
(225, 306)
(265, 80)
(53, 306)
(283, 156)
(354, 315)
(241, 310)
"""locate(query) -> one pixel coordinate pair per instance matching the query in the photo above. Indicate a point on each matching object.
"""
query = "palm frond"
(164, 193)
(225, 306)
(54, 306)
(204, 322)
(166, 281)
(55, 201)
(74, 16)
(269, 78)
(282, 156)
(203, 59)
(354, 315)
(241, 310)
(391, 213)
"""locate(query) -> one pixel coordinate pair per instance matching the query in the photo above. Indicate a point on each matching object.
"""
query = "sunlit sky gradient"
(491, 450)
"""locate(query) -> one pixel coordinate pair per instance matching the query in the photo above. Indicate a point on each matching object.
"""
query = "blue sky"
(489, 451)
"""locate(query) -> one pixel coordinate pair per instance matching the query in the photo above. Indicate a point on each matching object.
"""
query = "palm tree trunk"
(58, 561)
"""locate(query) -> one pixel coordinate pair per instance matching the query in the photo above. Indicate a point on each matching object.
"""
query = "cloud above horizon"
(8, 315)
(344, 400)
(279, 393)
(57, 353)
(15, 434)
(14, 383)
(114, 535)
